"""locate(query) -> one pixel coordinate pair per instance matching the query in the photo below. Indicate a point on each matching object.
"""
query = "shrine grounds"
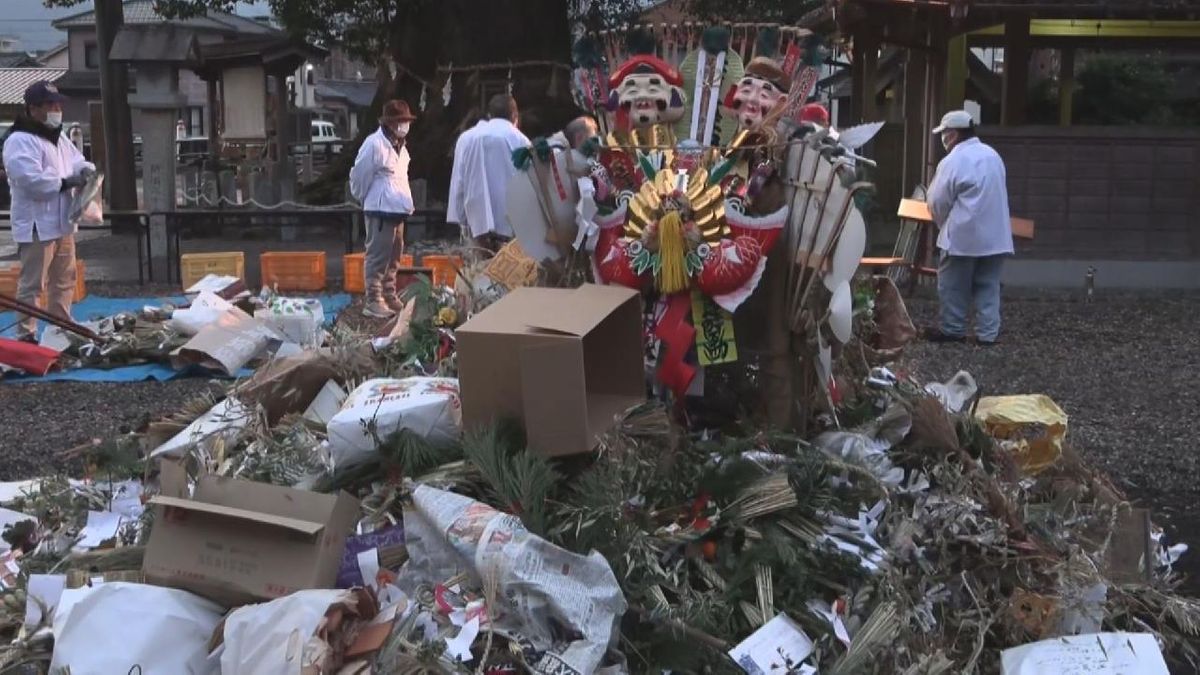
(1124, 368)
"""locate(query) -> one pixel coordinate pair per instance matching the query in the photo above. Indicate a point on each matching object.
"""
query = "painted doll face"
(649, 99)
(752, 99)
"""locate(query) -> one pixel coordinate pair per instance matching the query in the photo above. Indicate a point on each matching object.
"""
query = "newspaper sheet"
(566, 605)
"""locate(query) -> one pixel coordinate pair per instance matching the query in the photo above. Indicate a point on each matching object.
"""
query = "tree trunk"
(467, 33)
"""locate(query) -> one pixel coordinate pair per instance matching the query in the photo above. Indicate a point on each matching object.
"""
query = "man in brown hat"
(761, 89)
(379, 180)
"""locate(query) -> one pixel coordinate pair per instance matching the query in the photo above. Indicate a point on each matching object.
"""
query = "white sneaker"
(378, 310)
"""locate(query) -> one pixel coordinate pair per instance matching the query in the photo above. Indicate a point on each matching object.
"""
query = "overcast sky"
(30, 20)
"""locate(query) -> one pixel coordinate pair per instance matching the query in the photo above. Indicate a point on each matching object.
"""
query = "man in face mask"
(968, 199)
(44, 169)
(379, 179)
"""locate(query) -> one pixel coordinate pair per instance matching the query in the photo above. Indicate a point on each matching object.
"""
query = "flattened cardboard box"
(564, 362)
(239, 541)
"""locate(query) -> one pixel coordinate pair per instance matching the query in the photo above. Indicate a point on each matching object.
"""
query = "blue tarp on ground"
(94, 307)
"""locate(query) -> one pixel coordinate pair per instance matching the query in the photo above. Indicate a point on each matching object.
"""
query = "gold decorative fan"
(701, 203)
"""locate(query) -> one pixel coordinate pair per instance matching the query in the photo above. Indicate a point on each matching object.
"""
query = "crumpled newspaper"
(567, 606)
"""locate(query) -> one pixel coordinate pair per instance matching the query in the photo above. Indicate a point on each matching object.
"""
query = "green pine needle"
(518, 480)
(414, 455)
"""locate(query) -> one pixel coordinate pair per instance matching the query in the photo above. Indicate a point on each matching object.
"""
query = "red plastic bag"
(30, 358)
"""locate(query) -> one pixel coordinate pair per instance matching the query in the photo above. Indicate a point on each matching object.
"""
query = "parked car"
(325, 134)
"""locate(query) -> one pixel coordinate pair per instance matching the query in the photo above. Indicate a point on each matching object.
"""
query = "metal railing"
(144, 254)
(196, 223)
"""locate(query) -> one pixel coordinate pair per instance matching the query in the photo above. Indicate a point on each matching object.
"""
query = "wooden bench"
(916, 220)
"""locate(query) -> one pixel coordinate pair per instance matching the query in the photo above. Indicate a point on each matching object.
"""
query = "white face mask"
(402, 129)
(54, 119)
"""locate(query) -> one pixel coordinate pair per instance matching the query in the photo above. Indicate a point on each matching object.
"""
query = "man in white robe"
(482, 168)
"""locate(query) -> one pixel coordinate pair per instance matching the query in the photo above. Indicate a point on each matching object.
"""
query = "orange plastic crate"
(195, 266)
(354, 278)
(293, 270)
(354, 272)
(445, 268)
(10, 275)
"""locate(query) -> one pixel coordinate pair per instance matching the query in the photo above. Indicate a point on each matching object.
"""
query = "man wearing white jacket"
(379, 180)
(482, 168)
(968, 199)
(44, 169)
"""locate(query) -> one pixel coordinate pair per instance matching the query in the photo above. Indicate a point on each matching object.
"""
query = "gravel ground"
(1121, 367)
(41, 421)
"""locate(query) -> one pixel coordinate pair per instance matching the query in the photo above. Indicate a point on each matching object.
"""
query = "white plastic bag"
(427, 406)
(204, 310)
(87, 207)
(123, 627)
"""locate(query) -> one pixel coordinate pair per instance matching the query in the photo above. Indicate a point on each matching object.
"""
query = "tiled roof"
(79, 83)
(14, 81)
(141, 12)
(357, 94)
(17, 60)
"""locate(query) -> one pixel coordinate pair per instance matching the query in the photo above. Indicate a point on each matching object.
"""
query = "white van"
(324, 133)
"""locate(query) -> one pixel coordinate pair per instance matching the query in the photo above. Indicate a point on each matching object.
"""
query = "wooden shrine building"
(1126, 195)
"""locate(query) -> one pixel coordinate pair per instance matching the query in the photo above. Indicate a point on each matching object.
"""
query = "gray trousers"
(963, 281)
(385, 245)
(46, 267)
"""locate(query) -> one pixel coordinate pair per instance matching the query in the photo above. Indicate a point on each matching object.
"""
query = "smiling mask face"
(649, 99)
(752, 99)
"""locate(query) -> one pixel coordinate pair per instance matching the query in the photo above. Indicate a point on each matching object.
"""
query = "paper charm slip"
(780, 646)
(715, 341)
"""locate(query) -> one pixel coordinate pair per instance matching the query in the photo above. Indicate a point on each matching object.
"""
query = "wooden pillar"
(864, 67)
(956, 73)
(214, 132)
(284, 131)
(1066, 85)
(936, 71)
(1016, 70)
(916, 131)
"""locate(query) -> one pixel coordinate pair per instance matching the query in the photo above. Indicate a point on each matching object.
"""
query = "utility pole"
(120, 172)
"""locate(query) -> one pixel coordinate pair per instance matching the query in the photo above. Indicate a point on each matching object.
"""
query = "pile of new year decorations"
(667, 429)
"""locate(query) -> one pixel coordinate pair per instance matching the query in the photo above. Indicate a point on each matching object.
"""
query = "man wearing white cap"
(969, 203)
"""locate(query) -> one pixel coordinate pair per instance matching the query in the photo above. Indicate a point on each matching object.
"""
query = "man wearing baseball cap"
(44, 169)
(379, 179)
(969, 203)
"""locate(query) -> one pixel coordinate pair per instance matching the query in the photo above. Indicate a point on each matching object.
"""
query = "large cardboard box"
(563, 361)
(239, 541)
